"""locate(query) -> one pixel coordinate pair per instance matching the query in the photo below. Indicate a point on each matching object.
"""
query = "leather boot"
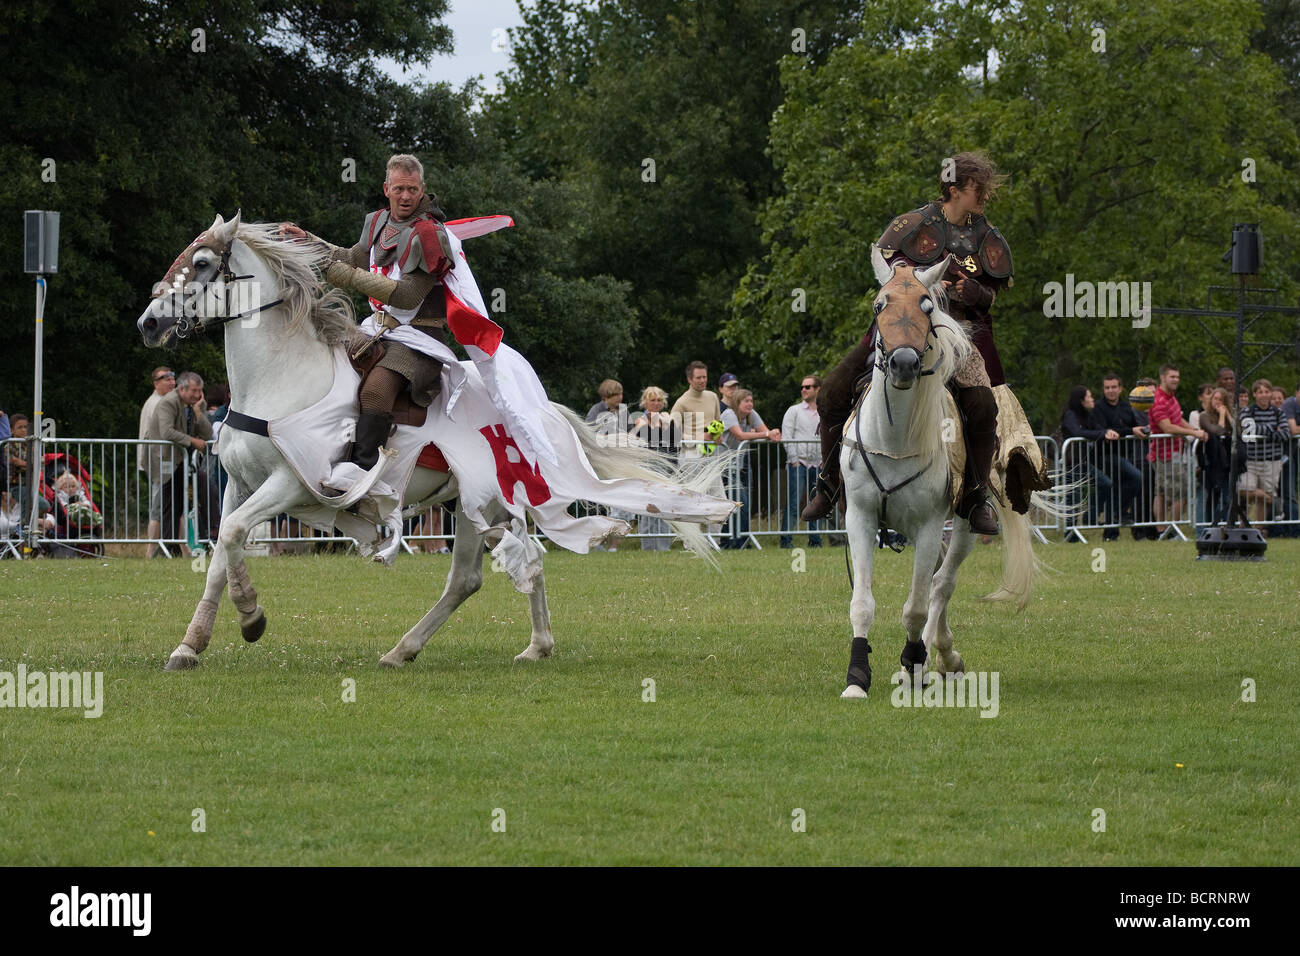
(828, 478)
(980, 415)
(372, 431)
(975, 508)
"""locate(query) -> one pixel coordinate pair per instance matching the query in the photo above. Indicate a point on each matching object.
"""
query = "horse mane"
(296, 266)
(954, 346)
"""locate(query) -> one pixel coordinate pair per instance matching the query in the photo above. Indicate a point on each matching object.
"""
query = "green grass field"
(1109, 681)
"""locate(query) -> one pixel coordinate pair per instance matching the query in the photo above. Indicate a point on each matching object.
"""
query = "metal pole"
(35, 450)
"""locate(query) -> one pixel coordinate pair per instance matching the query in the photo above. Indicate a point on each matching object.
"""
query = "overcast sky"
(472, 24)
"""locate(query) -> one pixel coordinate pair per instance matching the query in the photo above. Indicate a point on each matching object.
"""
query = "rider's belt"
(428, 325)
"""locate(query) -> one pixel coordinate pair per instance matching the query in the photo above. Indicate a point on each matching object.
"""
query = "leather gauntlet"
(976, 295)
(360, 280)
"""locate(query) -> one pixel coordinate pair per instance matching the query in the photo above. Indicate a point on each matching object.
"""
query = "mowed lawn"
(1120, 691)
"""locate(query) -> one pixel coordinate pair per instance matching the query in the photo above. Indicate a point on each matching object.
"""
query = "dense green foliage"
(1125, 164)
(1108, 683)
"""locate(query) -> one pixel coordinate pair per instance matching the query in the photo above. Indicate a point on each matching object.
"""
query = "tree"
(1124, 130)
(655, 114)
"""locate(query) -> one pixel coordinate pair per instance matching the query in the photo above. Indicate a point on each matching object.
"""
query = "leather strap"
(246, 423)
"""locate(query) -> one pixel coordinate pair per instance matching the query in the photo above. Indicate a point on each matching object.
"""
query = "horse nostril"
(151, 323)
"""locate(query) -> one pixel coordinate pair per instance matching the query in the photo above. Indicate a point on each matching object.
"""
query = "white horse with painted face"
(282, 331)
(896, 473)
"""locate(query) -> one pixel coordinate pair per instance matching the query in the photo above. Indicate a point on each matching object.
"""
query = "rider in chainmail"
(399, 263)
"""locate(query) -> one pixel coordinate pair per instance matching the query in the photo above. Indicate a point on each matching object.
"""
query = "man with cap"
(727, 386)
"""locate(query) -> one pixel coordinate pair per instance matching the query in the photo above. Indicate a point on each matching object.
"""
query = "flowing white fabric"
(489, 466)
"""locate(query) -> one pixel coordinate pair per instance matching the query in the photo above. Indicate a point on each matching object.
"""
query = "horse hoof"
(253, 630)
(392, 660)
(182, 659)
(853, 691)
(533, 653)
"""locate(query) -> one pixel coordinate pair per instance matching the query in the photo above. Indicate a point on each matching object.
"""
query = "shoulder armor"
(428, 247)
(370, 228)
(919, 235)
(995, 254)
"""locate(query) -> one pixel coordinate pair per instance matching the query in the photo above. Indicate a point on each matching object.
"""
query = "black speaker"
(1218, 543)
(1247, 249)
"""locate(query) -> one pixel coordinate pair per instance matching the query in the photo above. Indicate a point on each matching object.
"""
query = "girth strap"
(246, 423)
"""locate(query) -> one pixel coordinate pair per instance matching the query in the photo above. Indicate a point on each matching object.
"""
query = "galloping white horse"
(280, 357)
(896, 472)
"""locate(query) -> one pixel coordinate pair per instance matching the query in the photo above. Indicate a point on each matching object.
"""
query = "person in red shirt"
(1167, 455)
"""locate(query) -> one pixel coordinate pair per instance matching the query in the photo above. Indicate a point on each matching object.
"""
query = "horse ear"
(225, 231)
(928, 277)
(878, 263)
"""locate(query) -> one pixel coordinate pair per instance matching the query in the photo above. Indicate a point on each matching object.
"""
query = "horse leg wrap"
(252, 619)
(913, 658)
(199, 632)
(859, 664)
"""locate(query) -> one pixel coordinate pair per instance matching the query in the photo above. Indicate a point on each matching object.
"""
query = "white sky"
(472, 24)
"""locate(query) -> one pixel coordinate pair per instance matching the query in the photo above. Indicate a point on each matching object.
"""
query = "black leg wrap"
(914, 652)
(859, 664)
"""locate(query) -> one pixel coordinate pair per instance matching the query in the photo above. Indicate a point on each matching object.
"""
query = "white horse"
(280, 360)
(896, 472)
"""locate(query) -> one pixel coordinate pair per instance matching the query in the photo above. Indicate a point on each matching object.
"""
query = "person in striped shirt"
(1266, 435)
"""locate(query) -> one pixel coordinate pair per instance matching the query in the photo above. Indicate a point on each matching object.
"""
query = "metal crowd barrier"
(1118, 488)
(1113, 488)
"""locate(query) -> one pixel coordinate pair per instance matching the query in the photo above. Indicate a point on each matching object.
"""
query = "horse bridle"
(883, 351)
(185, 324)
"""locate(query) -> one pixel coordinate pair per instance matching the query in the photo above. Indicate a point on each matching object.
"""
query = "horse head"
(904, 310)
(185, 294)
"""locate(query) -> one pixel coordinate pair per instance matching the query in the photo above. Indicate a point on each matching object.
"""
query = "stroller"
(66, 485)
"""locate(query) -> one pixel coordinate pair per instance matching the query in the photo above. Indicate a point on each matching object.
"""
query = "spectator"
(217, 398)
(179, 418)
(1290, 466)
(1227, 379)
(1168, 458)
(1124, 462)
(1266, 435)
(1203, 393)
(659, 431)
(1243, 399)
(164, 380)
(1078, 421)
(695, 409)
(611, 399)
(742, 424)
(802, 456)
(16, 455)
(1216, 454)
(727, 386)
(5, 434)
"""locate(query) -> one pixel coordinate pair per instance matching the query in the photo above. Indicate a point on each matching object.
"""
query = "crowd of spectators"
(1134, 464)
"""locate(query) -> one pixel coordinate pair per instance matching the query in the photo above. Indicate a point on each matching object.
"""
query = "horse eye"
(879, 304)
(927, 306)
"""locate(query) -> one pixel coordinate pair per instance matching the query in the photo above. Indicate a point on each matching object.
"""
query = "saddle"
(1018, 468)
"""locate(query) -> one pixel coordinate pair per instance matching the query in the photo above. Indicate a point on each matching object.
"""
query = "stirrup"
(822, 503)
(983, 519)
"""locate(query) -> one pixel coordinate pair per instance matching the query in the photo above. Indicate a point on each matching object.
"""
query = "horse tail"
(703, 475)
(1019, 564)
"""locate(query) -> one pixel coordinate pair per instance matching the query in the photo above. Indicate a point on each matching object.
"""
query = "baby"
(72, 496)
